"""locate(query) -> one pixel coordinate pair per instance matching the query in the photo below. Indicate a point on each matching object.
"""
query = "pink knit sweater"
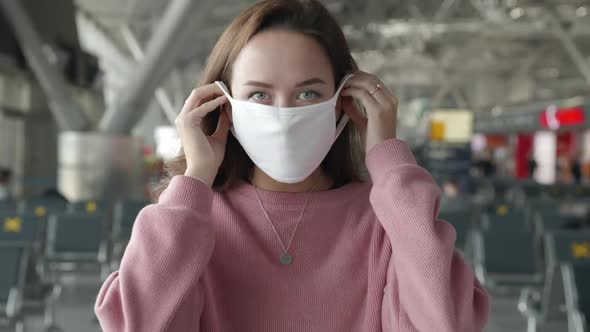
(367, 257)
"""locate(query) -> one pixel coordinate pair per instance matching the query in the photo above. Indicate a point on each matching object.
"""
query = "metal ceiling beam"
(444, 10)
(449, 88)
(67, 113)
(488, 10)
(415, 12)
(525, 30)
(160, 56)
(95, 39)
(164, 100)
(575, 54)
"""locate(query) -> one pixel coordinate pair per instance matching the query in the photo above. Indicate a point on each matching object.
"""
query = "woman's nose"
(284, 101)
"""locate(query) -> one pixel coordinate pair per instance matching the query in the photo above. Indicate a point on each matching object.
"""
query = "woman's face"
(283, 68)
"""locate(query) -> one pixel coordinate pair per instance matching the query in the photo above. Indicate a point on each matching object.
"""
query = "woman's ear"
(339, 108)
(227, 109)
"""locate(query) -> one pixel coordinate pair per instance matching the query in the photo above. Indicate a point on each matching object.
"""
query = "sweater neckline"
(332, 196)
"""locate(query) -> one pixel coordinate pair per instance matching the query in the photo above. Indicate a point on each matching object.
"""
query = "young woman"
(271, 227)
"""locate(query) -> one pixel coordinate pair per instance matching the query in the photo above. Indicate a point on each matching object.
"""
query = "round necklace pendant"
(286, 259)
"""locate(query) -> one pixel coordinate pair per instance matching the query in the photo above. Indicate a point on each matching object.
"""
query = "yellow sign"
(91, 207)
(40, 211)
(13, 225)
(451, 125)
(437, 130)
(502, 210)
(581, 250)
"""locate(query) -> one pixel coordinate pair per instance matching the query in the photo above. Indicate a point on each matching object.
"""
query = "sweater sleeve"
(158, 286)
(429, 286)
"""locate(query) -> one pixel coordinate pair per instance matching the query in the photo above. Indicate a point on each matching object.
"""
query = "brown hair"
(344, 163)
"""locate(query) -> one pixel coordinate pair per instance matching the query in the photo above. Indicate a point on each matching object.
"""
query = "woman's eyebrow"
(310, 81)
(303, 83)
(260, 84)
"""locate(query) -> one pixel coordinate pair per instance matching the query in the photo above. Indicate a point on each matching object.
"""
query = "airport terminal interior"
(494, 101)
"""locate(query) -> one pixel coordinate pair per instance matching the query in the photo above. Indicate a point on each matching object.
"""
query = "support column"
(545, 153)
(573, 51)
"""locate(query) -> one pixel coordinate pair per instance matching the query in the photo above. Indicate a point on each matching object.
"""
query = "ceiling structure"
(474, 54)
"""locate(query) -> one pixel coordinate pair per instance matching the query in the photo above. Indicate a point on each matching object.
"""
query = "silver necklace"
(286, 258)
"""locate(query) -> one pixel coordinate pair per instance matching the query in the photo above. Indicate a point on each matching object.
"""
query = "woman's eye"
(258, 96)
(307, 95)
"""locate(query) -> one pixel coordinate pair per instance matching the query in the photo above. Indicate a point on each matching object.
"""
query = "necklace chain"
(286, 249)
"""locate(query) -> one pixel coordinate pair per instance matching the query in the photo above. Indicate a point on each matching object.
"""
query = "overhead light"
(517, 13)
(582, 11)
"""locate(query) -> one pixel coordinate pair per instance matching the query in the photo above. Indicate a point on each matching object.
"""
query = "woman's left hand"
(380, 105)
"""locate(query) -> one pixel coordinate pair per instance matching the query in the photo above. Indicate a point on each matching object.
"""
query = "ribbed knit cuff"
(188, 192)
(385, 156)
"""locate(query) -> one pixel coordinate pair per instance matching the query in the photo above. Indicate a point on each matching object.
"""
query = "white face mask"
(286, 143)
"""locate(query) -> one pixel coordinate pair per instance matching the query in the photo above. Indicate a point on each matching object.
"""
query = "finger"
(370, 85)
(207, 107)
(369, 82)
(368, 102)
(201, 95)
(223, 125)
(350, 108)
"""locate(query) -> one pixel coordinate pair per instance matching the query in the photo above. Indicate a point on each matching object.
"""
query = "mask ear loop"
(345, 117)
(226, 91)
(224, 88)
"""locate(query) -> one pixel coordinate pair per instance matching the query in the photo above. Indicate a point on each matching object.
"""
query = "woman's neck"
(318, 180)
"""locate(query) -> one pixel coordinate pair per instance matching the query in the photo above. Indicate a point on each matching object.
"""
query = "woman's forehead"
(281, 55)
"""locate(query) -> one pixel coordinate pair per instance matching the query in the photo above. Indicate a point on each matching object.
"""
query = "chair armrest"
(51, 302)
(14, 303)
(575, 321)
(529, 301)
(478, 256)
(103, 252)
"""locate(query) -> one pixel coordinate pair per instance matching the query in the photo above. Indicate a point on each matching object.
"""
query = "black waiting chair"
(76, 240)
(463, 222)
(125, 213)
(506, 260)
(88, 207)
(505, 217)
(560, 247)
(23, 230)
(13, 260)
(42, 207)
(505, 255)
(576, 283)
(8, 206)
(548, 221)
(19, 229)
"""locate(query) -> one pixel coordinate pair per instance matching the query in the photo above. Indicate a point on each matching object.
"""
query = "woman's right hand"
(203, 153)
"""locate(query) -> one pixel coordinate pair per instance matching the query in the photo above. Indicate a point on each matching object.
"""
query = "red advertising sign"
(555, 118)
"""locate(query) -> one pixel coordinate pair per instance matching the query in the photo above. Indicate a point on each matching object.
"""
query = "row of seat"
(532, 189)
(43, 239)
(516, 247)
